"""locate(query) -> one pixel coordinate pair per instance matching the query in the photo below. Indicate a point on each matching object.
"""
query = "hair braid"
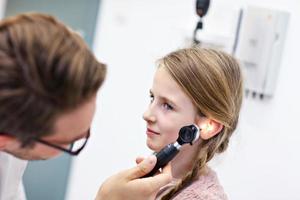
(207, 149)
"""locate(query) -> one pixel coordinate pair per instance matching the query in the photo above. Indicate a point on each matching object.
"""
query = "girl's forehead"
(164, 84)
(165, 87)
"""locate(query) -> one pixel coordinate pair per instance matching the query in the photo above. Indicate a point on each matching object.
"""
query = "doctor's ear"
(209, 128)
(4, 140)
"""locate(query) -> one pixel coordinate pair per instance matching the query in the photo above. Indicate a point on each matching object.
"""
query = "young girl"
(194, 86)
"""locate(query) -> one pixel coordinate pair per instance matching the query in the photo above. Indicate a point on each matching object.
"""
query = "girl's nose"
(148, 115)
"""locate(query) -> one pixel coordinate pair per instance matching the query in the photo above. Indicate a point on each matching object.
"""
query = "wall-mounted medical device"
(221, 25)
(259, 48)
(255, 36)
(201, 10)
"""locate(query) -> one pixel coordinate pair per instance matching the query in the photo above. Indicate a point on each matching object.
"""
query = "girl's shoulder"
(206, 187)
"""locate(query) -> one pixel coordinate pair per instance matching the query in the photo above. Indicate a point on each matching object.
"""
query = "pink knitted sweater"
(206, 187)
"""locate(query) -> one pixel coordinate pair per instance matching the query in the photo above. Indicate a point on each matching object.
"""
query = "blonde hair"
(213, 81)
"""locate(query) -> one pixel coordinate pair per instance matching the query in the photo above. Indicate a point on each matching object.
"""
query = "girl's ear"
(208, 127)
(4, 140)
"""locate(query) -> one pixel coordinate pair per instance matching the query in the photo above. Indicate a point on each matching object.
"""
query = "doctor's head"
(48, 84)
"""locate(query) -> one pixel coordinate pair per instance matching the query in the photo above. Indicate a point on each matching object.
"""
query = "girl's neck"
(183, 162)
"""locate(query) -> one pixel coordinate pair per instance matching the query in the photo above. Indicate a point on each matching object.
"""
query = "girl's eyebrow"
(165, 99)
(169, 100)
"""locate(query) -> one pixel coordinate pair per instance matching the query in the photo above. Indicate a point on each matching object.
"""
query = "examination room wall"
(262, 162)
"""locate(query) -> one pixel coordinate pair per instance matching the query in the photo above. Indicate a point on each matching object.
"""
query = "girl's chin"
(153, 146)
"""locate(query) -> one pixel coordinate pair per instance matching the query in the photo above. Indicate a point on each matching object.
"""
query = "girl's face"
(169, 110)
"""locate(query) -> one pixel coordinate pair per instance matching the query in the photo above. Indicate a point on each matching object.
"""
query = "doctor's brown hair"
(46, 69)
(213, 81)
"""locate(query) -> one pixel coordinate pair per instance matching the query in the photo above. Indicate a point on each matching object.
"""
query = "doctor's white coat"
(11, 172)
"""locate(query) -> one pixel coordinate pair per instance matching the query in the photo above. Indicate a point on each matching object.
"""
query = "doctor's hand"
(127, 185)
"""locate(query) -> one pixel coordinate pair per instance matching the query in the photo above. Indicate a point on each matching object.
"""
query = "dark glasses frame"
(69, 150)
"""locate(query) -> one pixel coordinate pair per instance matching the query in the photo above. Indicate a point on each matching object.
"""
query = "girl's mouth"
(151, 132)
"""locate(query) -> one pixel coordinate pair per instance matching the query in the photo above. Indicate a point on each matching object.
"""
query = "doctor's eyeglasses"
(75, 147)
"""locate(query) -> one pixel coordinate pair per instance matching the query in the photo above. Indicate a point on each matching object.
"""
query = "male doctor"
(48, 85)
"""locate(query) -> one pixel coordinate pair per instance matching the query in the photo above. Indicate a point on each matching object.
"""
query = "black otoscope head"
(188, 134)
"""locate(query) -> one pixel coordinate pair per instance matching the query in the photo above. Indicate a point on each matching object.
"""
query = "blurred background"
(129, 36)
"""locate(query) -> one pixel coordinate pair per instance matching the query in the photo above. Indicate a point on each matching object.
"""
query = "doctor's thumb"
(143, 167)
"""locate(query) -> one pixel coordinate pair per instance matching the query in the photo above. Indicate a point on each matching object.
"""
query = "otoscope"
(187, 135)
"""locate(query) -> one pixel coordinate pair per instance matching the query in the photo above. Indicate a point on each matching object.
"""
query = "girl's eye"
(151, 98)
(167, 106)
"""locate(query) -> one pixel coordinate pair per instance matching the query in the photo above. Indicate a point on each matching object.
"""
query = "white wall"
(262, 161)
